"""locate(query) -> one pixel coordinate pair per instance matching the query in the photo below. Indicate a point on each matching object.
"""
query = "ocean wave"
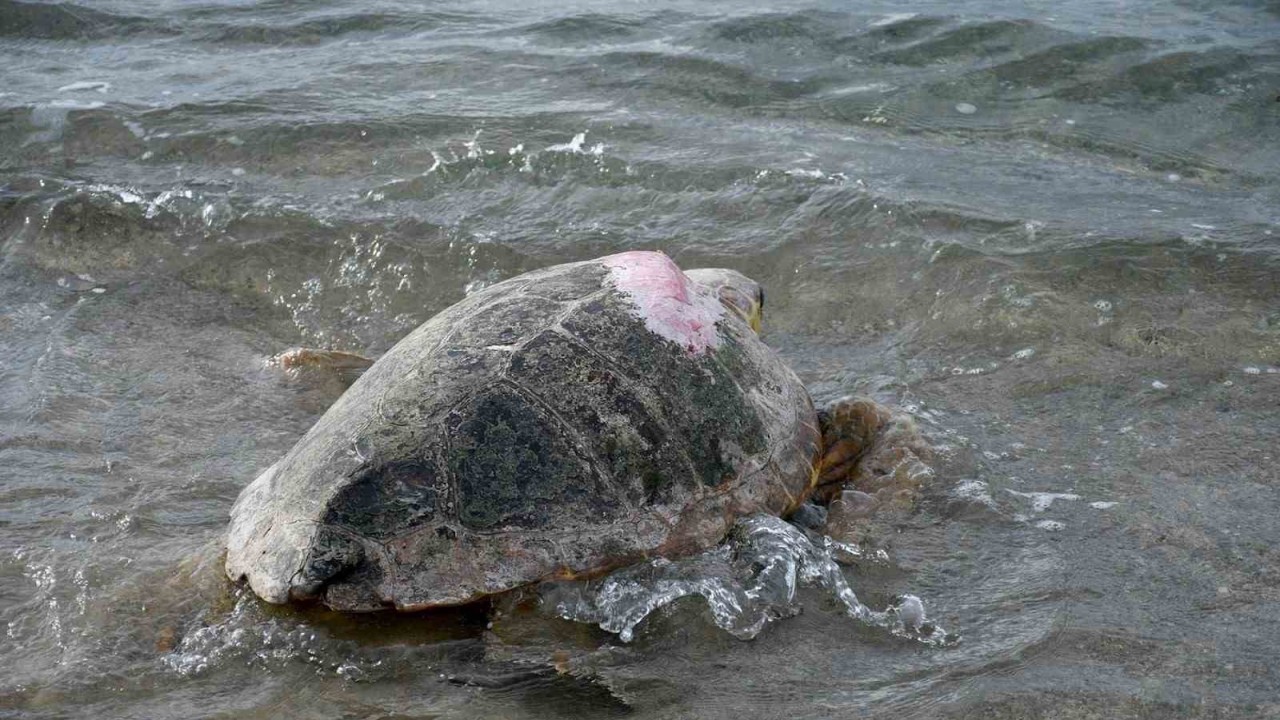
(586, 28)
(65, 21)
(318, 30)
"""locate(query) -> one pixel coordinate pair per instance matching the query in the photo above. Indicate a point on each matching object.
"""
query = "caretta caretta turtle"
(561, 423)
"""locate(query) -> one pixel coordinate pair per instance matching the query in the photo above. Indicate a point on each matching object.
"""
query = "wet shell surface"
(564, 422)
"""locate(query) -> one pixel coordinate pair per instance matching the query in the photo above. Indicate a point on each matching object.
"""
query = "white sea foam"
(76, 104)
(975, 491)
(1040, 501)
(576, 146)
(893, 18)
(83, 85)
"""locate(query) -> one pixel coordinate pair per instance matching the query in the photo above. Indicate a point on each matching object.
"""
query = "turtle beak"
(756, 315)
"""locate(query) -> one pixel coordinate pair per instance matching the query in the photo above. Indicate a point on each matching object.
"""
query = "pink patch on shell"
(670, 304)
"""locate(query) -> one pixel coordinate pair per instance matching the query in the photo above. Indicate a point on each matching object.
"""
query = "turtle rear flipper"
(849, 428)
(346, 367)
(872, 450)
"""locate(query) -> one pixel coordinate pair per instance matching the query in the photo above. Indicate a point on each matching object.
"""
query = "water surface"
(1048, 231)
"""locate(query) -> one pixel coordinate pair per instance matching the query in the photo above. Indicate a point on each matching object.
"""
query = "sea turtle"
(559, 424)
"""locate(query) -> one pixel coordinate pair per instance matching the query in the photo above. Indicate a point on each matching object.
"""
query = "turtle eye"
(736, 300)
(746, 306)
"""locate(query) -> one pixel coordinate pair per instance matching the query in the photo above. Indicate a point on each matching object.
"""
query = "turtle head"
(738, 292)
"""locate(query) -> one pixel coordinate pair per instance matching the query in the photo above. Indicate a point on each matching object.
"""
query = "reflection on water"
(1048, 235)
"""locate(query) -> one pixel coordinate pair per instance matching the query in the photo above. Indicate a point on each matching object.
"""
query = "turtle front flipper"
(873, 458)
(346, 367)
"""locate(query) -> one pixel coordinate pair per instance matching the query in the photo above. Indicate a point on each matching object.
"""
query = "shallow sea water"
(1048, 231)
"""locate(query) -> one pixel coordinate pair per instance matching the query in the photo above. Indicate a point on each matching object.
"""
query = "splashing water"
(748, 581)
(246, 636)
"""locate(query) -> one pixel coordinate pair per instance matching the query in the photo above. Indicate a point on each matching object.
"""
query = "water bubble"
(911, 611)
(966, 108)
